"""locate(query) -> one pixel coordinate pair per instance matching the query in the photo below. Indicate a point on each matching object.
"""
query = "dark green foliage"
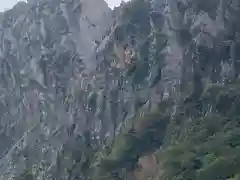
(144, 50)
(140, 73)
(207, 147)
(137, 12)
(121, 31)
(26, 175)
(145, 135)
(158, 19)
(223, 98)
(135, 21)
(208, 6)
(131, 69)
(161, 40)
(236, 177)
(183, 36)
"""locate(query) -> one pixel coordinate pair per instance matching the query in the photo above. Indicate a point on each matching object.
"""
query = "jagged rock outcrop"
(44, 48)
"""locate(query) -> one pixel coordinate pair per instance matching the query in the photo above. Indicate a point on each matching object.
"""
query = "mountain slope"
(141, 91)
(203, 45)
(45, 46)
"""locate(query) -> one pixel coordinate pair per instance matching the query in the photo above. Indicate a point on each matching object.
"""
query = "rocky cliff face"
(75, 75)
(174, 51)
(45, 47)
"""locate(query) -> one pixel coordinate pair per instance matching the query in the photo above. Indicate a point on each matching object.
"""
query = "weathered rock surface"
(44, 47)
(70, 68)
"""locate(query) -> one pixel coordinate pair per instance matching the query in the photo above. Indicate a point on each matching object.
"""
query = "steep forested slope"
(195, 135)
